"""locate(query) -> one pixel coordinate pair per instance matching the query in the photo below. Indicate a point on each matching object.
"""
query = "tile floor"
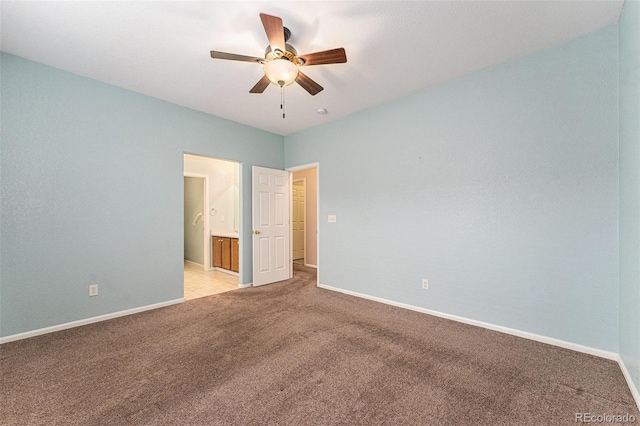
(201, 283)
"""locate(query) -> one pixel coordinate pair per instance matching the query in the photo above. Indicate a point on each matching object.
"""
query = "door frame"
(206, 262)
(300, 168)
(304, 230)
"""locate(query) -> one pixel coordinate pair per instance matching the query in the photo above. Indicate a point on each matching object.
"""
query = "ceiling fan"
(281, 61)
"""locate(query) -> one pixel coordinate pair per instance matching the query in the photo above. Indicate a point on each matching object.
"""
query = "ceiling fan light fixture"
(281, 60)
(281, 72)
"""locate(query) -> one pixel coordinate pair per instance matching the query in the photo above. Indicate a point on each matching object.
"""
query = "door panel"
(264, 207)
(298, 208)
(217, 252)
(263, 246)
(226, 253)
(280, 258)
(270, 225)
(279, 207)
(235, 255)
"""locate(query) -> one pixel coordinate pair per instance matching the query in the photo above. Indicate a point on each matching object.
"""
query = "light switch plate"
(332, 218)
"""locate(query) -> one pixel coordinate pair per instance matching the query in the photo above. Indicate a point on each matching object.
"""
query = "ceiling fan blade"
(260, 85)
(333, 56)
(234, 57)
(309, 85)
(274, 29)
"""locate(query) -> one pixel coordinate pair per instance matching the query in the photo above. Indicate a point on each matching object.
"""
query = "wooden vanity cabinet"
(216, 252)
(225, 253)
(222, 252)
(235, 255)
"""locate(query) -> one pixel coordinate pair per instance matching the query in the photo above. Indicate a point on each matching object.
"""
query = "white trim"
(226, 271)
(634, 390)
(87, 321)
(317, 166)
(525, 334)
(206, 234)
(240, 224)
(303, 167)
(290, 225)
(245, 285)
(310, 265)
(195, 263)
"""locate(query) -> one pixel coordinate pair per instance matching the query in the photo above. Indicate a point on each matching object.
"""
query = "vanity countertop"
(228, 233)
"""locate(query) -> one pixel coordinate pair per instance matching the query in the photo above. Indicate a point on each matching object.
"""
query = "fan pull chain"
(282, 101)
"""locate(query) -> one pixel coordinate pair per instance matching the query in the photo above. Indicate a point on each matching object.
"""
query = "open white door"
(271, 227)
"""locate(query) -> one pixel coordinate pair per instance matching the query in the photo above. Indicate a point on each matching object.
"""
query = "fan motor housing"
(290, 53)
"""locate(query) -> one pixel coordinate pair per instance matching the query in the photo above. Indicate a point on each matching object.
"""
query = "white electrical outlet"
(93, 290)
(222, 218)
(332, 218)
(425, 284)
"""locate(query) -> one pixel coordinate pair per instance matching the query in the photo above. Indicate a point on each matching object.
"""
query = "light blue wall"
(629, 28)
(92, 192)
(501, 188)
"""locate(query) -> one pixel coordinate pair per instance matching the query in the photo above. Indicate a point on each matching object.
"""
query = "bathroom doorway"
(216, 214)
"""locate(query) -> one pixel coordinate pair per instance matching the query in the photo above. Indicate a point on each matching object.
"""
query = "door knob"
(256, 232)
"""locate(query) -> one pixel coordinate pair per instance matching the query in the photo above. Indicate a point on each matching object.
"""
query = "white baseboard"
(311, 266)
(632, 386)
(87, 321)
(204, 268)
(245, 285)
(525, 334)
(226, 271)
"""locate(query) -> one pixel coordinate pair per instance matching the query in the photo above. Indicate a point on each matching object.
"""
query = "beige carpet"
(293, 354)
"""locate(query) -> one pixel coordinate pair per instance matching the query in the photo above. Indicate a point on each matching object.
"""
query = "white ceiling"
(161, 49)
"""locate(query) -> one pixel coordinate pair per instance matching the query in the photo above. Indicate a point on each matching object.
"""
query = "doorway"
(211, 208)
(298, 208)
(305, 182)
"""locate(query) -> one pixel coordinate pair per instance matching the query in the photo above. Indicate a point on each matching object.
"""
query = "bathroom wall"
(194, 223)
(223, 189)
